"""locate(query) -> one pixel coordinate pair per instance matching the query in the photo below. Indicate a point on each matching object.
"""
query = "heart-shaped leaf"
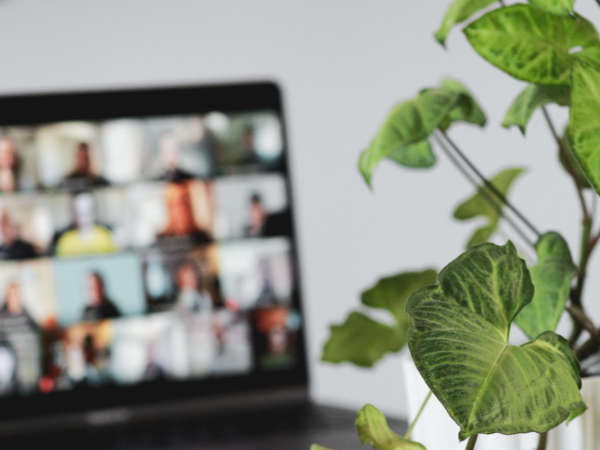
(467, 109)
(409, 122)
(458, 337)
(531, 44)
(364, 341)
(392, 293)
(403, 136)
(552, 277)
(416, 156)
(560, 7)
(480, 205)
(584, 121)
(373, 427)
(531, 99)
(458, 12)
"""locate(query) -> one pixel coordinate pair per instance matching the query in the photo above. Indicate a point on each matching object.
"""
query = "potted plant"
(457, 322)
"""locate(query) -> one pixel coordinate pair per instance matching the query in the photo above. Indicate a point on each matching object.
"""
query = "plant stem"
(414, 422)
(584, 257)
(543, 442)
(588, 348)
(490, 186)
(472, 442)
(577, 292)
(493, 203)
(578, 315)
(566, 157)
(587, 244)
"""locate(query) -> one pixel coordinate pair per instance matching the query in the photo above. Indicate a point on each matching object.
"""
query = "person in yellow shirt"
(87, 237)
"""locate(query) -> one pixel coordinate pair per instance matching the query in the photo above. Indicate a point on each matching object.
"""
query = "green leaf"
(479, 205)
(585, 183)
(590, 55)
(318, 447)
(576, 413)
(408, 123)
(458, 12)
(467, 109)
(403, 137)
(531, 44)
(416, 156)
(559, 7)
(458, 337)
(531, 99)
(372, 427)
(584, 120)
(362, 341)
(552, 277)
(392, 293)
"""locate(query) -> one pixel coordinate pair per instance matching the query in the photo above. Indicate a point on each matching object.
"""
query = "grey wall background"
(342, 64)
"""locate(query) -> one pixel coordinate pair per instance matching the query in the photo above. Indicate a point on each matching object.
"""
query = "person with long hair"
(181, 222)
(9, 165)
(99, 306)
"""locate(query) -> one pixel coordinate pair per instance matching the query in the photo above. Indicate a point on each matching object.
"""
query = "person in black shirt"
(182, 231)
(13, 247)
(261, 223)
(170, 155)
(99, 305)
(82, 177)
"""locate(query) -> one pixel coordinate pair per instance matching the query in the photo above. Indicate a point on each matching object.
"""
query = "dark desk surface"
(292, 428)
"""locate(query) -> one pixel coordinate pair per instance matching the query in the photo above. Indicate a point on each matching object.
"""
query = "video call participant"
(99, 306)
(85, 236)
(258, 216)
(248, 146)
(12, 246)
(273, 343)
(263, 224)
(170, 156)
(191, 293)
(20, 332)
(82, 177)
(96, 362)
(13, 315)
(181, 224)
(267, 296)
(9, 166)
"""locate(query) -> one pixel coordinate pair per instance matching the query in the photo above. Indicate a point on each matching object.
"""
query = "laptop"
(149, 272)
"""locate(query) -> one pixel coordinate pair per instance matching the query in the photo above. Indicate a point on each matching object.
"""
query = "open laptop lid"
(147, 248)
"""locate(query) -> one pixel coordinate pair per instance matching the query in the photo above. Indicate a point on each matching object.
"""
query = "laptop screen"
(147, 250)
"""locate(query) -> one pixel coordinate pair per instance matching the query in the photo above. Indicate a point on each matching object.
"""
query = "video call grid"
(182, 236)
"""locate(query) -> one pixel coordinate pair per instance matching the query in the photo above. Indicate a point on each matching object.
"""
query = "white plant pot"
(437, 431)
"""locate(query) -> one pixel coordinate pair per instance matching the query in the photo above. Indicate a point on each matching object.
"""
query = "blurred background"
(341, 65)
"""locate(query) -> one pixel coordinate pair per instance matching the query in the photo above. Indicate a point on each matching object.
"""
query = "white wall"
(342, 65)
